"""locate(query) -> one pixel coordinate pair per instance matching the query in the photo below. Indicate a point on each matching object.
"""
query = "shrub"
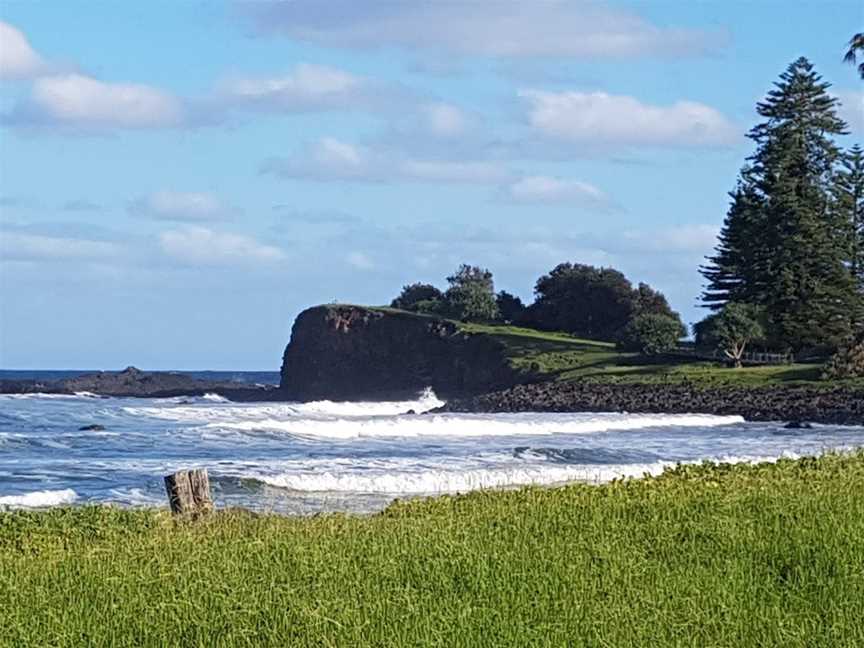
(415, 294)
(848, 362)
(651, 334)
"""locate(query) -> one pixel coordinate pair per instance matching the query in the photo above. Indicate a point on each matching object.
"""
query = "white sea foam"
(474, 425)
(454, 481)
(214, 398)
(224, 410)
(436, 480)
(425, 402)
(39, 499)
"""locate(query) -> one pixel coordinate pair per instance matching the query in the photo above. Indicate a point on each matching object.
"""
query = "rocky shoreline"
(830, 405)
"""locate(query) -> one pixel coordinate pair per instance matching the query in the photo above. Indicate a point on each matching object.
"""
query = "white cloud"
(307, 87)
(557, 191)
(81, 101)
(598, 118)
(333, 160)
(445, 120)
(203, 246)
(693, 238)
(450, 171)
(25, 246)
(852, 110)
(180, 206)
(18, 60)
(360, 261)
(497, 28)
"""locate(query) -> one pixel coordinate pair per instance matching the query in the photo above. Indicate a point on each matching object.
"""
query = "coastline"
(837, 405)
(831, 405)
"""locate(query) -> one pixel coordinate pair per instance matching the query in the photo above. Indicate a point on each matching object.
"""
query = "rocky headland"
(353, 353)
(344, 352)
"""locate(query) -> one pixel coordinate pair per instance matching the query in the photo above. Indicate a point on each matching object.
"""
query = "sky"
(178, 180)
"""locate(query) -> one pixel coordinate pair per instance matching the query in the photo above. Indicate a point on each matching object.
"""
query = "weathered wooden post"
(189, 492)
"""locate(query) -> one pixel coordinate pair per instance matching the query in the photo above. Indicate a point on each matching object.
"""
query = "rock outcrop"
(838, 405)
(352, 352)
(134, 383)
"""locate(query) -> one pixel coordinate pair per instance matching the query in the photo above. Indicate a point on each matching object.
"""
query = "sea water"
(304, 458)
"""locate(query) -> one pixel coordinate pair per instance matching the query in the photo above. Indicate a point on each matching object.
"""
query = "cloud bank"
(498, 28)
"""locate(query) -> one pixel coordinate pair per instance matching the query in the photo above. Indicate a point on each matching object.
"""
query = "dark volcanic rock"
(134, 383)
(92, 428)
(837, 405)
(350, 352)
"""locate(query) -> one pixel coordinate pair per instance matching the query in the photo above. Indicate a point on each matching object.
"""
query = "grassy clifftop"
(549, 356)
(561, 357)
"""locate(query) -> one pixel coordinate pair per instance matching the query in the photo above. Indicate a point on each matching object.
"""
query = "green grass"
(562, 357)
(558, 356)
(769, 555)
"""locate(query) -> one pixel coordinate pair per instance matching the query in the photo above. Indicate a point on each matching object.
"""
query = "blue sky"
(179, 179)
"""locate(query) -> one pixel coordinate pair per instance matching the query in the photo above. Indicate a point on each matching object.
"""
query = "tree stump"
(189, 492)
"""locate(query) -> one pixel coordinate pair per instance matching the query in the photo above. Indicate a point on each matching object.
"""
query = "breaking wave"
(39, 499)
(441, 481)
(474, 425)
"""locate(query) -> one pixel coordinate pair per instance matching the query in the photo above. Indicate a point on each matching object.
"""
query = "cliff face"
(350, 352)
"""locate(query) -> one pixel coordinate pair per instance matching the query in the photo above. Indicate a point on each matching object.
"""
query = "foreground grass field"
(703, 556)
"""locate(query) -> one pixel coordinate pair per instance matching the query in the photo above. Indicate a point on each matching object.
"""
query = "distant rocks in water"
(798, 425)
(92, 428)
(135, 383)
(832, 405)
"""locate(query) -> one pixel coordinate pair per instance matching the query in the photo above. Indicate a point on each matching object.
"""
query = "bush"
(413, 295)
(848, 362)
(731, 330)
(651, 334)
(510, 307)
(471, 295)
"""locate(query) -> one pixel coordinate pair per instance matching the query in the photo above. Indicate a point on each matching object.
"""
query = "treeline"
(787, 274)
(588, 302)
(788, 270)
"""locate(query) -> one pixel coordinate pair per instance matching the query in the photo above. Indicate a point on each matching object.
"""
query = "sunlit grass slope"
(771, 555)
(558, 356)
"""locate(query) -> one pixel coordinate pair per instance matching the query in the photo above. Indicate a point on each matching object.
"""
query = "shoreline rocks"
(830, 405)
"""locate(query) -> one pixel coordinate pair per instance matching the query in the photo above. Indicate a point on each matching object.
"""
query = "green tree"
(849, 207)
(779, 247)
(471, 295)
(848, 362)
(856, 46)
(510, 307)
(733, 271)
(647, 301)
(416, 294)
(731, 330)
(652, 334)
(583, 300)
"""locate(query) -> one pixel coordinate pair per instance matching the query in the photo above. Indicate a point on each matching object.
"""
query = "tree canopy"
(471, 295)
(592, 302)
(731, 330)
(784, 245)
(413, 296)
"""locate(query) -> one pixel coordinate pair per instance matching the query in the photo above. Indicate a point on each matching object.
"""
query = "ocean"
(304, 458)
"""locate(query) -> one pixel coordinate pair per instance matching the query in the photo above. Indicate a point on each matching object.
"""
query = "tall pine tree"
(849, 207)
(780, 246)
(730, 272)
